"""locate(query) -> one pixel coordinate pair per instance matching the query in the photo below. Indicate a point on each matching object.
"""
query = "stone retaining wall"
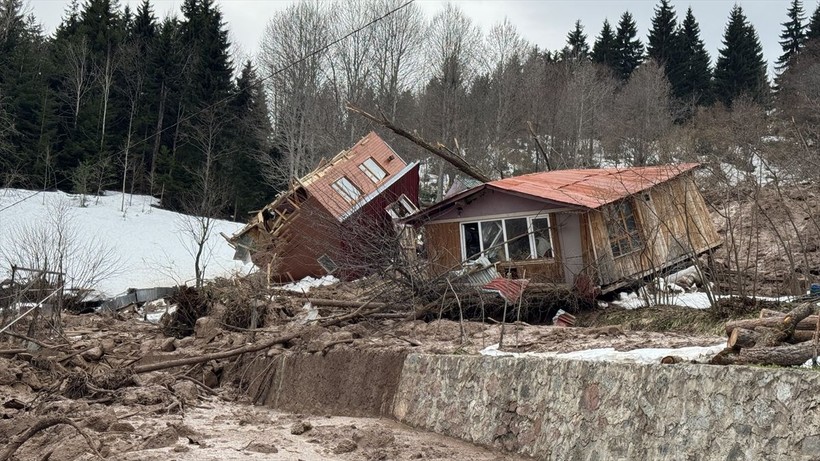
(578, 410)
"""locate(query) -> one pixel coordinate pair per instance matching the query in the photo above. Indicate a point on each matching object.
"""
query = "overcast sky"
(542, 22)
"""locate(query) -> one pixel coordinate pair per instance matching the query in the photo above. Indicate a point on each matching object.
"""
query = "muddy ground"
(201, 411)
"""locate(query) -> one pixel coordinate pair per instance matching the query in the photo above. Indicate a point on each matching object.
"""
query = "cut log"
(797, 319)
(791, 355)
(771, 313)
(741, 338)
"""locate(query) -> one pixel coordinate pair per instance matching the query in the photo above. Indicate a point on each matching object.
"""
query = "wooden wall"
(443, 245)
(675, 225)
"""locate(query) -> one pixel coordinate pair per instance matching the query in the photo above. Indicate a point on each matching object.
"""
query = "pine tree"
(604, 51)
(813, 28)
(793, 36)
(740, 67)
(662, 46)
(689, 72)
(577, 47)
(629, 49)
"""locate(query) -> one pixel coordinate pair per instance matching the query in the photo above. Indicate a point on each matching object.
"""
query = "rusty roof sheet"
(590, 188)
(585, 188)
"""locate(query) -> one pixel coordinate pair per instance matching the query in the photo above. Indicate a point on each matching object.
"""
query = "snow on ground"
(304, 285)
(654, 355)
(152, 247)
(695, 300)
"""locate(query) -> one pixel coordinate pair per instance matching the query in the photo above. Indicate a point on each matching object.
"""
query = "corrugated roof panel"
(590, 188)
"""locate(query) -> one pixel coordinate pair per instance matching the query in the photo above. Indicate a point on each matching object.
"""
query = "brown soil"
(205, 414)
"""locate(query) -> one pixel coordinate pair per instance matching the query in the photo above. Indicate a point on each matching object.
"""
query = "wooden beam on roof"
(439, 150)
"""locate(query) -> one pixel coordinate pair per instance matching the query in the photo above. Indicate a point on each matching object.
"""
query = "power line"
(313, 53)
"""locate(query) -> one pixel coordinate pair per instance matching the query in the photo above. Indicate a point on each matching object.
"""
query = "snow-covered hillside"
(152, 248)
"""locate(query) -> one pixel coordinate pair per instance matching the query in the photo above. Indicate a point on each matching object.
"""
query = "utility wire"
(261, 80)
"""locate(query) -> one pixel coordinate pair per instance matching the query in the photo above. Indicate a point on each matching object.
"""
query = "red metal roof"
(587, 188)
(590, 188)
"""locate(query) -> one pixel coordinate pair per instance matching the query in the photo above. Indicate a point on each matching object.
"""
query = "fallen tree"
(776, 338)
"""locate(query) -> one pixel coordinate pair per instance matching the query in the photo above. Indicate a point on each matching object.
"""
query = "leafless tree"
(640, 116)
(289, 54)
(78, 75)
(398, 40)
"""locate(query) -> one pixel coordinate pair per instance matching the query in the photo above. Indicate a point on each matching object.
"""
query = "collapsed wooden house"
(600, 228)
(313, 227)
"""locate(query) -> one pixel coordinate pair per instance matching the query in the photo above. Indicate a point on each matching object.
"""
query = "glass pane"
(543, 239)
(347, 189)
(372, 169)
(518, 240)
(491, 237)
(472, 244)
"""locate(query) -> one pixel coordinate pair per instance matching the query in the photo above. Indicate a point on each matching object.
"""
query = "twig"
(198, 383)
(26, 338)
(40, 425)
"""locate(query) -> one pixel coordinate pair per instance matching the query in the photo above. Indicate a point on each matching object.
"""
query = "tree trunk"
(785, 356)
(797, 319)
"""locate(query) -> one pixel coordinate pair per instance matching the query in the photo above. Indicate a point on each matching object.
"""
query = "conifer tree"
(813, 28)
(577, 47)
(740, 68)
(689, 73)
(793, 36)
(662, 46)
(629, 49)
(604, 51)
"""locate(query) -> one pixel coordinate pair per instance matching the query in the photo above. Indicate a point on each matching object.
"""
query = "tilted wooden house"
(311, 229)
(604, 227)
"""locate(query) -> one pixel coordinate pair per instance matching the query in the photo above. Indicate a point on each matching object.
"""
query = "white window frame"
(530, 230)
(372, 171)
(344, 187)
(405, 203)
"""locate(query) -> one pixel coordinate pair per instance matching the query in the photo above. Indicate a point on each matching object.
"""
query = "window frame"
(344, 192)
(623, 240)
(506, 238)
(405, 203)
(368, 170)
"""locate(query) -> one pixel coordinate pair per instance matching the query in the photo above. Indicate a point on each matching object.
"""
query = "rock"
(94, 354)
(165, 438)
(206, 328)
(209, 378)
(100, 422)
(184, 342)
(186, 390)
(258, 447)
(121, 426)
(180, 449)
(31, 380)
(300, 427)
(7, 377)
(345, 446)
(108, 345)
(168, 345)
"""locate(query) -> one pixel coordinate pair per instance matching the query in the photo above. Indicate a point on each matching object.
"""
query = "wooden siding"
(675, 225)
(443, 242)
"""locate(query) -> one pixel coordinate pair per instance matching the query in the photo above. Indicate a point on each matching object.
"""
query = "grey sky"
(542, 22)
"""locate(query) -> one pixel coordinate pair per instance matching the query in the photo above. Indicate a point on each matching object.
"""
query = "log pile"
(775, 338)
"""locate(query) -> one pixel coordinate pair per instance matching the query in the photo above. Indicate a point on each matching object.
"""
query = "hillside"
(149, 243)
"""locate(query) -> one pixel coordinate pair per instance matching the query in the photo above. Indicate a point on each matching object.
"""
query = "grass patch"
(679, 319)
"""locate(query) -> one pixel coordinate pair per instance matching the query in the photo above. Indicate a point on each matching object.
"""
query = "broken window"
(401, 208)
(373, 170)
(347, 189)
(541, 238)
(511, 239)
(624, 234)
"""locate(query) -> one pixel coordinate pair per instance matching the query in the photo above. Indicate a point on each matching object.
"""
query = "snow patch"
(304, 285)
(608, 354)
(153, 251)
